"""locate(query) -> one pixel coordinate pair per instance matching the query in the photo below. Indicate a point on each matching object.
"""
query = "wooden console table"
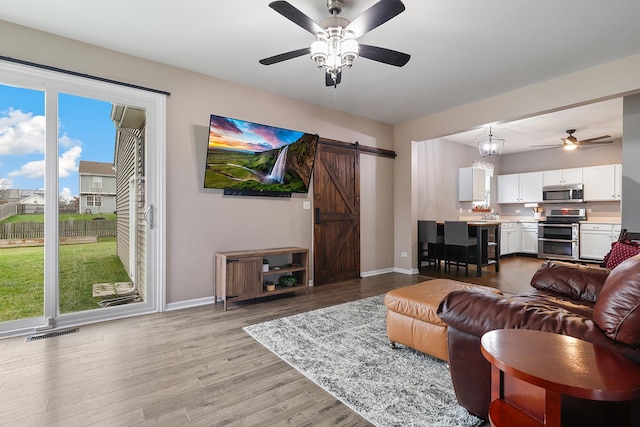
(239, 275)
(531, 371)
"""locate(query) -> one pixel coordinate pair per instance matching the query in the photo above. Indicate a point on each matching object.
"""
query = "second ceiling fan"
(572, 143)
(336, 45)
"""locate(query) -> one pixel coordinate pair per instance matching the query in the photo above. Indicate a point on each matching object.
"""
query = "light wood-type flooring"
(194, 366)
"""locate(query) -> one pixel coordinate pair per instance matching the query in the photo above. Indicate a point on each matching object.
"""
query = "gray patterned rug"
(344, 349)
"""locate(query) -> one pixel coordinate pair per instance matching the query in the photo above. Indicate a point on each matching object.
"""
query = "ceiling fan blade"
(328, 80)
(547, 145)
(594, 139)
(386, 56)
(284, 56)
(594, 142)
(375, 16)
(294, 15)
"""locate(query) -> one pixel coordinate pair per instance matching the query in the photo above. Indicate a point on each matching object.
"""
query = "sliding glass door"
(78, 168)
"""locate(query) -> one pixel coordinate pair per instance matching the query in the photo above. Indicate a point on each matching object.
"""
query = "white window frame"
(52, 83)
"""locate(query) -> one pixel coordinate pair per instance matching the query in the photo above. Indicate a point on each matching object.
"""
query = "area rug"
(345, 350)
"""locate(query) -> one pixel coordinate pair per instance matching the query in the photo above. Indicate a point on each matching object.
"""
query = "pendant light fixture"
(491, 146)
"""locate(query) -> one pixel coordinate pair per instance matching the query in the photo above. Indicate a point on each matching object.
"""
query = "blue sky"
(86, 132)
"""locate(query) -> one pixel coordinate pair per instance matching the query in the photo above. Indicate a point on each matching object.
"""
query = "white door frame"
(52, 83)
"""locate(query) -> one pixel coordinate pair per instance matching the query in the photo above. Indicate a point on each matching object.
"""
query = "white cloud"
(65, 195)
(33, 170)
(66, 141)
(21, 133)
(67, 164)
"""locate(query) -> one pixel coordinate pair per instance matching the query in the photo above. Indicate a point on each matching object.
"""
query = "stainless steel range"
(558, 236)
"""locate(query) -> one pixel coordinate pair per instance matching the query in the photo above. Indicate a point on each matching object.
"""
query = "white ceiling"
(461, 51)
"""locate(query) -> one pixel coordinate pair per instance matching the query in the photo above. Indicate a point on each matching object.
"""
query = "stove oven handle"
(542, 239)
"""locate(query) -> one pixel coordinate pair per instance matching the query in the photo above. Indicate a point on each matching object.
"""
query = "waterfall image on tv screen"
(249, 156)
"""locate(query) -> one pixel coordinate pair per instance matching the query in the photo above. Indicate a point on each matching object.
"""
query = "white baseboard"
(197, 302)
(376, 272)
(405, 271)
(189, 303)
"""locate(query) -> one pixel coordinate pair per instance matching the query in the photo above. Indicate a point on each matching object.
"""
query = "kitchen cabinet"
(509, 238)
(602, 183)
(562, 176)
(520, 188)
(471, 184)
(596, 239)
(529, 237)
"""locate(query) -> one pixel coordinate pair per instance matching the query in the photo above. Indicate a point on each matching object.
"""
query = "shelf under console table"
(239, 275)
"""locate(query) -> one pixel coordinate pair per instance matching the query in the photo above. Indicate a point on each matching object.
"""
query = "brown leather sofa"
(591, 303)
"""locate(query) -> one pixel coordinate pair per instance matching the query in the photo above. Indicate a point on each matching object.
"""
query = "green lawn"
(62, 217)
(21, 277)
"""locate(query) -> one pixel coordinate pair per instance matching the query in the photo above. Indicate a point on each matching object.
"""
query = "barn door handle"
(317, 215)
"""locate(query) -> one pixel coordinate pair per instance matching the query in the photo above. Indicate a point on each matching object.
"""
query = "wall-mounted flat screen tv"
(254, 159)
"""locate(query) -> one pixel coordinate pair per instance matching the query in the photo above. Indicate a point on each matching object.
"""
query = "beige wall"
(562, 159)
(437, 167)
(617, 78)
(201, 222)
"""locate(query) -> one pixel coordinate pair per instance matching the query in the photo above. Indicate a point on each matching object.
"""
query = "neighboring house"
(97, 187)
(130, 124)
(31, 204)
(16, 195)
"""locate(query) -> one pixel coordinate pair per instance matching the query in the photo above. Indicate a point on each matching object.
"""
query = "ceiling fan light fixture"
(336, 46)
(334, 50)
(570, 146)
(320, 52)
(491, 146)
(349, 51)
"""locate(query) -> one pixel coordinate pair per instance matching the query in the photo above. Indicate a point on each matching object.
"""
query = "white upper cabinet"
(562, 177)
(531, 187)
(520, 188)
(471, 184)
(602, 183)
(509, 188)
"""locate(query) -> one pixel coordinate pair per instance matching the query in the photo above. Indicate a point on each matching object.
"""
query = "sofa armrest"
(477, 313)
(571, 280)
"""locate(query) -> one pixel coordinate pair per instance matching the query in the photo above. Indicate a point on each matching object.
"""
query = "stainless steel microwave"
(563, 193)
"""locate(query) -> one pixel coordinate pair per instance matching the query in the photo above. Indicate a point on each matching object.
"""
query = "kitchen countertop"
(594, 220)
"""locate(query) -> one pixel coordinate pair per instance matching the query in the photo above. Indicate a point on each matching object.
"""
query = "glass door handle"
(148, 216)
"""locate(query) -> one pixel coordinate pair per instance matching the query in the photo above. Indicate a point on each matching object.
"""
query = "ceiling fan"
(336, 46)
(572, 143)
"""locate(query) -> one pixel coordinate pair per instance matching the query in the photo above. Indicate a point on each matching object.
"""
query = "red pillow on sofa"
(620, 251)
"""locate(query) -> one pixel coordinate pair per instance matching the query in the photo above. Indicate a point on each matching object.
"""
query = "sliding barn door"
(336, 193)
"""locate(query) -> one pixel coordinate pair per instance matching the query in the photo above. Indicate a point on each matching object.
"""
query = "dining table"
(487, 233)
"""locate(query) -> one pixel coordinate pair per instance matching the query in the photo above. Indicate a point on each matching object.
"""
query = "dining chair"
(456, 240)
(430, 244)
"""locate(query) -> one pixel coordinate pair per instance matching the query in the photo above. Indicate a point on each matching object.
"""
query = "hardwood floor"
(193, 366)
(514, 276)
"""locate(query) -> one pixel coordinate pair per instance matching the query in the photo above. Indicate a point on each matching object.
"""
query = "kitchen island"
(488, 247)
(487, 234)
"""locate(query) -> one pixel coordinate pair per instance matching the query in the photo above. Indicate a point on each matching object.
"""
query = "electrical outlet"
(518, 211)
(588, 210)
(404, 254)
(460, 210)
(306, 205)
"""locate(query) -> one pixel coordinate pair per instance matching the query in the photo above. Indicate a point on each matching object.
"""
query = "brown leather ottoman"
(412, 318)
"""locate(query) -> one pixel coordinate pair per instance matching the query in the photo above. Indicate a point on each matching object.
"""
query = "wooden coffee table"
(532, 370)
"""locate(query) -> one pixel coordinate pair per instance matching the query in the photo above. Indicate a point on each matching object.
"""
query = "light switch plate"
(306, 204)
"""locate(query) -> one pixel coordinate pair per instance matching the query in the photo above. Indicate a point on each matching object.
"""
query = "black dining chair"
(430, 244)
(458, 245)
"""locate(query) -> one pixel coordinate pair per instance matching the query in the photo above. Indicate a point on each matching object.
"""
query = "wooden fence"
(35, 230)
